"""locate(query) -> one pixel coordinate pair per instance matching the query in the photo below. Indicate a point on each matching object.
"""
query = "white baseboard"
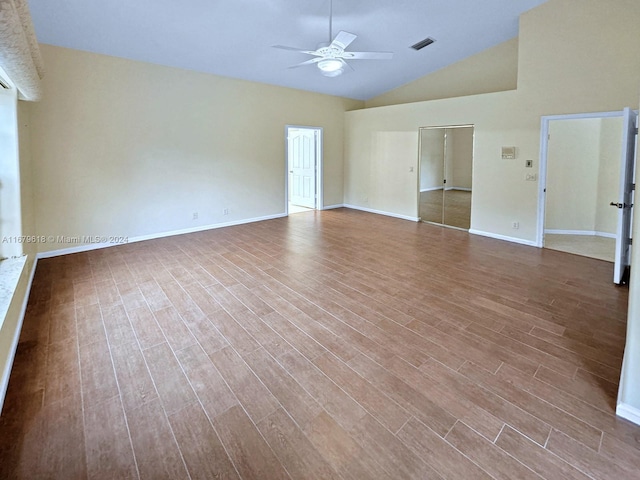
(591, 233)
(331, 207)
(380, 212)
(6, 374)
(521, 241)
(431, 189)
(628, 413)
(461, 189)
(96, 246)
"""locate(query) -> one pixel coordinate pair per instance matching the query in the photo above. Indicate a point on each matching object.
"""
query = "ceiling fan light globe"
(330, 65)
(334, 73)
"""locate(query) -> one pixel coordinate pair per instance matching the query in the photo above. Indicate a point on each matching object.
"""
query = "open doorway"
(445, 180)
(586, 188)
(583, 171)
(304, 168)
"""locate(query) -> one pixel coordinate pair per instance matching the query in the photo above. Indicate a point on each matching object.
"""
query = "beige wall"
(493, 70)
(460, 166)
(609, 174)
(573, 160)
(431, 158)
(594, 67)
(583, 174)
(26, 180)
(132, 149)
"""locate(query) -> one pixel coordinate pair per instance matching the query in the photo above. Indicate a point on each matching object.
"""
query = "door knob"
(620, 205)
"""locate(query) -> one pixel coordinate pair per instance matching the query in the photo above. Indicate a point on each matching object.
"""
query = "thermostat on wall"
(508, 153)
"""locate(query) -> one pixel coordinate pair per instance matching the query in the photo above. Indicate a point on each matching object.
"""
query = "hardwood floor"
(329, 345)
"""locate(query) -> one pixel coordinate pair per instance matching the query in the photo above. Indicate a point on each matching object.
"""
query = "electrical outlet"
(195, 215)
(225, 211)
(531, 177)
(515, 225)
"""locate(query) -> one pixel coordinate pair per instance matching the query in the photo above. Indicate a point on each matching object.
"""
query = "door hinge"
(635, 131)
(631, 241)
(633, 187)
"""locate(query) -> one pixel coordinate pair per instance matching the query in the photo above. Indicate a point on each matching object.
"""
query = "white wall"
(10, 211)
(126, 148)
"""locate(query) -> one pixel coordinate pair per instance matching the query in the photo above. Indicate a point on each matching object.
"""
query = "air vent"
(423, 43)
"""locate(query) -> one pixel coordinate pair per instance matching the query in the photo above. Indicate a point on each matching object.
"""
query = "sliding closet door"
(431, 174)
(458, 169)
(446, 159)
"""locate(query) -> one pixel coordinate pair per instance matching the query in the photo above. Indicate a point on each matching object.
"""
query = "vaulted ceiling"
(234, 38)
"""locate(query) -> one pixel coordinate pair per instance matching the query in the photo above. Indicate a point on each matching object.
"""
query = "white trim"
(430, 189)
(462, 189)
(96, 246)
(10, 274)
(6, 374)
(628, 413)
(591, 233)
(380, 212)
(542, 172)
(521, 241)
(331, 207)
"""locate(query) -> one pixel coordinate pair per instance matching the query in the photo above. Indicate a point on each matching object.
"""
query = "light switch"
(528, 163)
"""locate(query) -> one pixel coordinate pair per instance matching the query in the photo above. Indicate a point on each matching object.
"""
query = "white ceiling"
(233, 38)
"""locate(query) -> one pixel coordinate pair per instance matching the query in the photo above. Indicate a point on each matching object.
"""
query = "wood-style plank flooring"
(328, 345)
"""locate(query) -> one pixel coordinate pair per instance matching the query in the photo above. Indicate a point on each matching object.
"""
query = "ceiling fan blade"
(367, 55)
(348, 67)
(308, 62)
(294, 49)
(343, 39)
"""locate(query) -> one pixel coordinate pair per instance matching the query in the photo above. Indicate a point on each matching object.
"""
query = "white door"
(302, 148)
(625, 199)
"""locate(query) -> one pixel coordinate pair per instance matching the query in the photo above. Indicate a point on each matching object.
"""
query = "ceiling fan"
(331, 57)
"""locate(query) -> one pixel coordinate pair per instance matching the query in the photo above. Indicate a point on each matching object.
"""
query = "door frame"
(542, 171)
(319, 170)
(473, 159)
